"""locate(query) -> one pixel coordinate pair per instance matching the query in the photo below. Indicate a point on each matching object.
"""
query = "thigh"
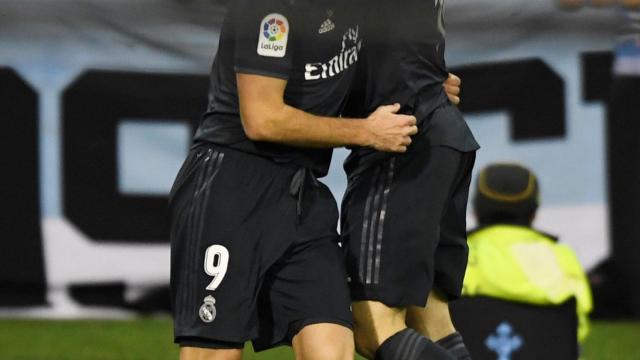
(434, 320)
(222, 243)
(376, 321)
(308, 284)
(324, 341)
(306, 287)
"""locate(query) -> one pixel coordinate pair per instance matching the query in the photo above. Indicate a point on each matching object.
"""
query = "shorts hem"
(203, 343)
(296, 327)
(299, 325)
(365, 294)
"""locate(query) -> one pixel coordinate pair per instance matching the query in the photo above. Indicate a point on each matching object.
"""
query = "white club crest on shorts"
(273, 36)
(208, 310)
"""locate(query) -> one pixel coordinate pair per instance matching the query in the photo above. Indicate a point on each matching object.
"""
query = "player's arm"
(266, 117)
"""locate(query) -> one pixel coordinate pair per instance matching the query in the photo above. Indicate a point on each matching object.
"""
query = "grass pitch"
(151, 339)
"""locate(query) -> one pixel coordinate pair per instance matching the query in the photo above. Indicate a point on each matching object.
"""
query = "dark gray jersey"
(403, 61)
(403, 55)
(313, 44)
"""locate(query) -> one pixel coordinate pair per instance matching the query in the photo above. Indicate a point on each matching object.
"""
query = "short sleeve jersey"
(313, 44)
(403, 54)
(403, 61)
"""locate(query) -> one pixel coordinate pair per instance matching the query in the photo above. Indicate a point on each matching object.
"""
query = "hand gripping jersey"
(313, 44)
(403, 61)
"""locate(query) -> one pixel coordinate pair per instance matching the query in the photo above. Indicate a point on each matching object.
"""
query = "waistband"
(302, 178)
(299, 181)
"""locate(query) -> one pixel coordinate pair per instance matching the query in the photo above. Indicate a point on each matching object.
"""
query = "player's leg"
(192, 353)
(390, 231)
(305, 298)
(374, 323)
(381, 334)
(308, 304)
(324, 341)
(218, 204)
(434, 320)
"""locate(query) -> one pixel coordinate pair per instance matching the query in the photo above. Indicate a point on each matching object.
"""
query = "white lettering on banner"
(348, 56)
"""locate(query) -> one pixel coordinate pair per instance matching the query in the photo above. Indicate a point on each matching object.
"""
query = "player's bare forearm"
(291, 126)
(265, 117)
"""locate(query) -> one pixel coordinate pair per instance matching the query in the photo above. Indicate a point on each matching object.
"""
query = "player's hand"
(389, 131)
(452, 88)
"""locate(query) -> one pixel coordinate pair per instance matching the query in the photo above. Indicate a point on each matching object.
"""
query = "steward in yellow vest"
(511, 261)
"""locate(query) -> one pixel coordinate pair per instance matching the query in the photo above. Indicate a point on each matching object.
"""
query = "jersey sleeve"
(264, 35)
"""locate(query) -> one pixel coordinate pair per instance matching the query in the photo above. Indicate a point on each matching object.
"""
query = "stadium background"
(100, 98)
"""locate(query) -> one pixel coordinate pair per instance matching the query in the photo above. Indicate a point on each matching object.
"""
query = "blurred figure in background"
(509, 259)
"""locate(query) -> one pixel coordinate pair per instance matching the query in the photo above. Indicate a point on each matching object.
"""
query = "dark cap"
(506, 193)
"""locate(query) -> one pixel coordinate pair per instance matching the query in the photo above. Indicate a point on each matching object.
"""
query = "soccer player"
(403, 219)
(254, 252)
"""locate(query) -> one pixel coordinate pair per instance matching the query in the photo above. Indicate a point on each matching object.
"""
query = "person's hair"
(506, 194)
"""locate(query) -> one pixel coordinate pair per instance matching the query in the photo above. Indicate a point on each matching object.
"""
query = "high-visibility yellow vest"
(520, 264)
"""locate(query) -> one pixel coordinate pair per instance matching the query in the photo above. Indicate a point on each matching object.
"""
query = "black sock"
(455, 345)
(408, 344)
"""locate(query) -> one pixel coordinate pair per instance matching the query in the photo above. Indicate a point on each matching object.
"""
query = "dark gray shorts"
(404, 225)
(246, 264)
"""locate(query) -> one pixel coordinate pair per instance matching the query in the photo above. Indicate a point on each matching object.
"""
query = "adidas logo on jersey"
(326, 26)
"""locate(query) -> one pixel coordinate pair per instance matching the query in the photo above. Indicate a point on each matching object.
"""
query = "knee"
(342, 349)
(324, 341)
(374, 323)
(366, 342)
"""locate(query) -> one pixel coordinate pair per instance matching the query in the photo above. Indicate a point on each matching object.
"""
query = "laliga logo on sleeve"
(274, 34)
